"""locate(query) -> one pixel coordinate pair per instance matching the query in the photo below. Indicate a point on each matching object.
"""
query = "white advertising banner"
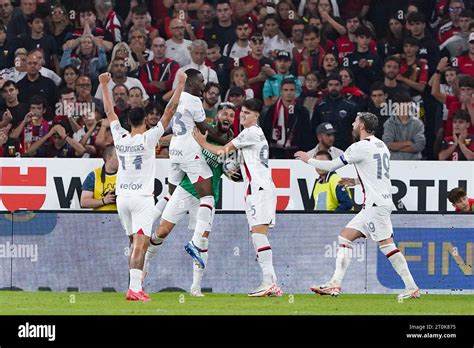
(55, 184)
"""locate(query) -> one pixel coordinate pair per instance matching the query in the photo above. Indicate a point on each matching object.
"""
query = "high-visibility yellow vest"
(102, 188)
(324, 192)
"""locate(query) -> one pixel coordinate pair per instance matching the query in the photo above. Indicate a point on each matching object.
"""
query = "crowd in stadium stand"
(314, 64)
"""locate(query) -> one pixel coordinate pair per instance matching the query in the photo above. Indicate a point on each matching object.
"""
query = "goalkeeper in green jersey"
(185, 200)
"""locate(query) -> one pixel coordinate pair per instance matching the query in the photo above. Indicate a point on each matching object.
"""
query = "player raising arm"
(371, 159)
(260, 197)
(136, 178)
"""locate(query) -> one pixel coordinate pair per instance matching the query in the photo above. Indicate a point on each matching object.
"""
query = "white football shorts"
(180, 203)
(196, 170)
(136, 214)
(260, 207)
(374, 222)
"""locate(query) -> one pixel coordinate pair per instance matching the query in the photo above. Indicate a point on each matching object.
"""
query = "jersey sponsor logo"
(132, 186)
(438, 258)
(175, 152)
(130, 148)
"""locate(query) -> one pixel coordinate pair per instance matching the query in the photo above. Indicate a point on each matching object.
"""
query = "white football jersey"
(254, 152)
(183, 146)
(371, 159)
(136, 156)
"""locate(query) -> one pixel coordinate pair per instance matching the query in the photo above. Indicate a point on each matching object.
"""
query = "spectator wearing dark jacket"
(286, 124)
(338, 111)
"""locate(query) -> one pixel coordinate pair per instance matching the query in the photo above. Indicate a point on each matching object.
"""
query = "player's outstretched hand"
(347, 182)
(303, 156)
(104, 78)
(200, 138)
(182, 77)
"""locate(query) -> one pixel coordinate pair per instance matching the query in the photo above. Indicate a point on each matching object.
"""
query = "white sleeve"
(355, 153)
(247, 137)
(328, 166)
(117, 130)
(153, 135)
(199, 115)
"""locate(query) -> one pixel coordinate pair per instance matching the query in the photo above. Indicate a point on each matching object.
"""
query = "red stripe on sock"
(392, 252)
(206, 205)
(140, 231)
(264, 248)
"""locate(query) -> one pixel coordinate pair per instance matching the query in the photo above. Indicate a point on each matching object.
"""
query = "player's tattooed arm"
(215, 149)
(348, 182)
(107, 99)
(172, 105)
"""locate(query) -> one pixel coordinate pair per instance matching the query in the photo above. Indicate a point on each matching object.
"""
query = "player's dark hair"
(136, 116)
(369, 120)
(456, 194)
(461, 115)
(324, 153)
(253, 104)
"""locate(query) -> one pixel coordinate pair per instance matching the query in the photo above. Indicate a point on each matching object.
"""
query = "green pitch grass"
(176, 303)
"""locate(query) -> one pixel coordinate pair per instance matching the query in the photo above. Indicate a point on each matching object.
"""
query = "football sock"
(399, 263)
(198, 272)
(155, 240)
(264, 257)
(204, 216)
(343, 259)
(160, 207)
(136, 280)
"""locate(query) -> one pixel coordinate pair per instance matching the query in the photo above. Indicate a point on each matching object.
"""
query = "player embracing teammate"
(136, 177)
(260, 196)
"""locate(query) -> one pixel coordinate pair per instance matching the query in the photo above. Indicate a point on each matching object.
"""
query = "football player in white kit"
(186, 158)
(371, 159)
(260, 197)
(136, 177)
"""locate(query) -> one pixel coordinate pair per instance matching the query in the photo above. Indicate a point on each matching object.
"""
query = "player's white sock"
(399, 263)
(198, 272)
(160, 207)
(135, 279)
(204, 216)
(264, 256)
(343, 259)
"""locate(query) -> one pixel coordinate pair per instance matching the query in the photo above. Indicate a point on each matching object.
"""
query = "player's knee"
(344, 242)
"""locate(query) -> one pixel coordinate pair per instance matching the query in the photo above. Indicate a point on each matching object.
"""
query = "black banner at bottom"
(87, 331)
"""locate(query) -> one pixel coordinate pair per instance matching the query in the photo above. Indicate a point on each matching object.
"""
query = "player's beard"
(223, 129)
(356, 134)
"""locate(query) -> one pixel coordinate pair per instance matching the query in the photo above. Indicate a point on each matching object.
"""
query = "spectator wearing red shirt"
(413, 71)
(311, 58)
(453, 103)
(346, 44)
(458, 197)
(157, 76)
(257, 66)
(466, 61)
(452, 27)
(459, 146)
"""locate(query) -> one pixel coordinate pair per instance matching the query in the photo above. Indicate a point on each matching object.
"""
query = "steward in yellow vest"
(327, 194)
(98, 190)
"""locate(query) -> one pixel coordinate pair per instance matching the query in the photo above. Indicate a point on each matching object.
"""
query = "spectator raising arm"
(436, 81)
